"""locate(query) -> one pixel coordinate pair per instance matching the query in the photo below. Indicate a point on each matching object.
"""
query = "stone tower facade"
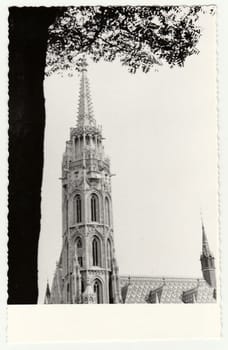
(207, 261)
(88, 266)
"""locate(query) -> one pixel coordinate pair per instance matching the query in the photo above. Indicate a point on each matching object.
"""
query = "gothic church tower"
(87, 264)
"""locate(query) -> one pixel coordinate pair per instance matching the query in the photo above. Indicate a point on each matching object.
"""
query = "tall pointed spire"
(85, 110)
(205, 246)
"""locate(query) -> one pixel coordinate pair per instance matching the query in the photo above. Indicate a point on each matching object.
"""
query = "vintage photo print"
(113, 167)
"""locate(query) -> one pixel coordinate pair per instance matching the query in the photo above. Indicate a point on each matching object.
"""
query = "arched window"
(79, 251)
(87, 139)
(78, 208)
(107, 211)
(109, 254)
(96, 252)
(94, 207)
(97, 288)
(79, 242)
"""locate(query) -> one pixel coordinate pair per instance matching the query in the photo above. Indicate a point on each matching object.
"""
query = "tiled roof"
(139, 288)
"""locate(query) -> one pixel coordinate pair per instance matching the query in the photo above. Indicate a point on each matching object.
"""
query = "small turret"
(207, 261)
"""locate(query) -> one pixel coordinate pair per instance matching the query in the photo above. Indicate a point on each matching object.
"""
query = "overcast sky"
(161, 135)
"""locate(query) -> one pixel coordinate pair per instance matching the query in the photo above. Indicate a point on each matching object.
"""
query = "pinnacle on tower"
(85, 110)
(47, 294)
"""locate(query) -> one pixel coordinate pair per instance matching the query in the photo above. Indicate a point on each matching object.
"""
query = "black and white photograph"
(113, 156)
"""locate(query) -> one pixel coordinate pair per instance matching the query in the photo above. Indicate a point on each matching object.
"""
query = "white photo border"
(24, 315)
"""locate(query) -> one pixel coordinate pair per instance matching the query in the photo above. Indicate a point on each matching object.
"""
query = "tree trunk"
(28, 33)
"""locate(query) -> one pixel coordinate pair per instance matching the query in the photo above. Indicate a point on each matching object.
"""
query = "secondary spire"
(205, 246)
(208, 262)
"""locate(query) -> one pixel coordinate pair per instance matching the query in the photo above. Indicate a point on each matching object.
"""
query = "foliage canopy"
(140, 36)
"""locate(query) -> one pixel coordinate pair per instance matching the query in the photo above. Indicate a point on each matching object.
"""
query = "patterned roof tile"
(172, 289)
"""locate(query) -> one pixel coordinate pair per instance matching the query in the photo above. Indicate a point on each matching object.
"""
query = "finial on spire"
(83, 64)
(129, 280)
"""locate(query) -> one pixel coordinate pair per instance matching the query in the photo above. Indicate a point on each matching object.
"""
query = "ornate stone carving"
(97, 272)
(91, 230)
(74, 184)
(107, 186)
(93, 183)
(99, 230)
(77, 231)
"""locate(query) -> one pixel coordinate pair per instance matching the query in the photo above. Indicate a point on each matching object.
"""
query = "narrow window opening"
(107, 212)
(79, 242)
(94, 208)
(79, 251)
(82, 286)
(109, 254)
(96, 252)
(78, 208)
(80, 260)
(97, 288)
